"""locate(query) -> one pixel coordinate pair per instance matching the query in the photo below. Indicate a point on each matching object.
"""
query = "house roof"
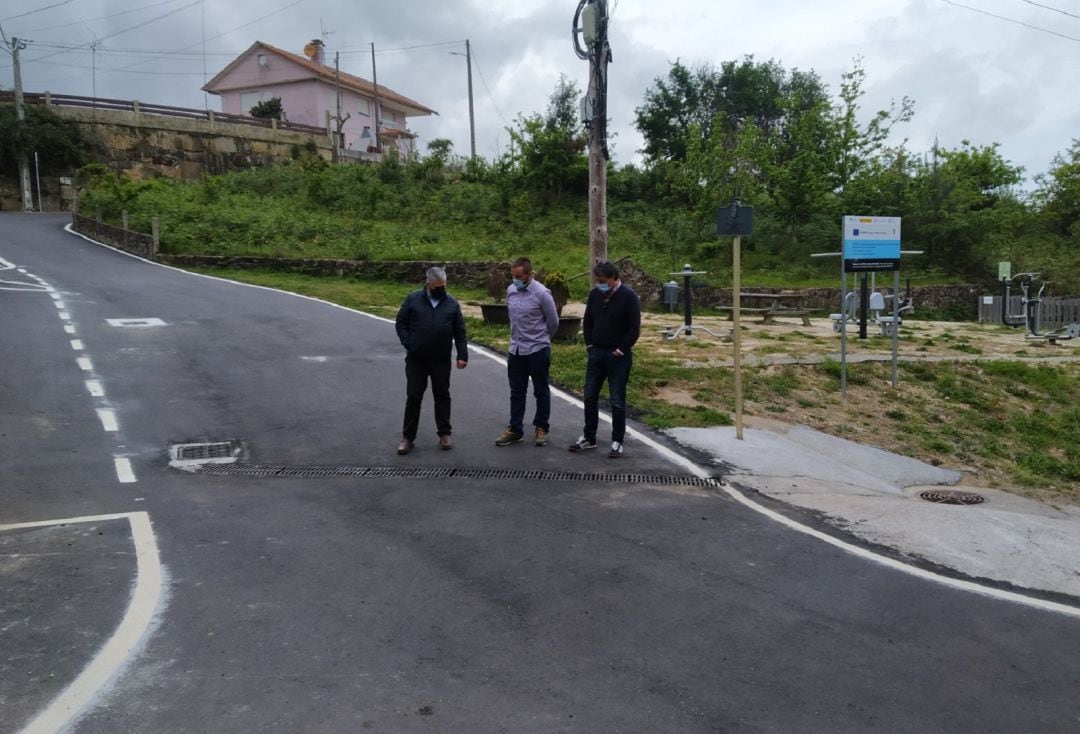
(325, 73)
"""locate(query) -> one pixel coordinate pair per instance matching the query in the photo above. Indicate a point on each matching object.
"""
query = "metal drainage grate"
(205, 451)
(952, 497)
(435, 472)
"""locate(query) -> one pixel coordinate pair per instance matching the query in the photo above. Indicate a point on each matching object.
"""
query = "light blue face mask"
(521, 284)
(603, 287)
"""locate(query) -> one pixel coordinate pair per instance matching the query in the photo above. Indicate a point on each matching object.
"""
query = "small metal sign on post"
(736, 221)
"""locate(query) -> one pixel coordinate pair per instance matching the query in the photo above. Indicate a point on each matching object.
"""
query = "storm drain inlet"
(435, 472)
(952, 497)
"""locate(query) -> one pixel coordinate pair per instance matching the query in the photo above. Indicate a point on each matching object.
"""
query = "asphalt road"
(401, 605)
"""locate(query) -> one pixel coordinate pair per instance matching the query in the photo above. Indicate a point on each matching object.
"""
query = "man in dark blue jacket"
(611, 327)
(428, 323)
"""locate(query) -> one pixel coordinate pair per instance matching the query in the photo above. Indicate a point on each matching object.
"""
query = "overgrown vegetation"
(800, 153)
(59, 143)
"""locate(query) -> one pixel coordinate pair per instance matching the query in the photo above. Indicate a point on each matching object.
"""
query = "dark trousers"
(417, 373)
(603, 365)
(519, 370)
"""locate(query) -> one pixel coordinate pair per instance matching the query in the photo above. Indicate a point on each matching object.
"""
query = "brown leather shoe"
(445, 443)
(404, 447)
(541, 437)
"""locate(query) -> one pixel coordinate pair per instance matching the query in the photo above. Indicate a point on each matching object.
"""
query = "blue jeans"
(603, 365)
(519, 370)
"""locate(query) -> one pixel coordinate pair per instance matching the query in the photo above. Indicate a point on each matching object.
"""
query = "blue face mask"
(603, 287)
(521, 284)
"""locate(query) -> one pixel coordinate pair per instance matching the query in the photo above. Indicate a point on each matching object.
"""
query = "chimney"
(315, 51)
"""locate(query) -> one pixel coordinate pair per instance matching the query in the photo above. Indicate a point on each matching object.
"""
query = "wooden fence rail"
(145, 108)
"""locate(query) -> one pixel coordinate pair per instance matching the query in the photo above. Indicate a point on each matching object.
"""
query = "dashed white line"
(64, 316)
(95, 389)
(69, 328)
(77, 345)
(124, 472)
(60, 305)
(55, 296)
(108, 420)
(85, 364)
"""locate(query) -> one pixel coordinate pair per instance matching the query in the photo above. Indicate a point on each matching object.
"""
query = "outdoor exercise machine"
(1030, 314)
(687, 327)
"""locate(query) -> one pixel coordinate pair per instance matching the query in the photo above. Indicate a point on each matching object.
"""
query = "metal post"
(472, 118)
(37, 175)
(843, 331)
(20, 115)
(688, 301)
(864, 299)
(896, 329)
(155, 233)
(124, 225)
(736, 303)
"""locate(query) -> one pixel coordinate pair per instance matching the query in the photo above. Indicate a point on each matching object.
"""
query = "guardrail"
(143, 108)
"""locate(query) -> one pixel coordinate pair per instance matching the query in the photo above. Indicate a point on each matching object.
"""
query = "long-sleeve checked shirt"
(533, 318)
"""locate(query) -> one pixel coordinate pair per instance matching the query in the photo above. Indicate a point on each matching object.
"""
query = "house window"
(390, 115)
(249, 100)
(364, 107)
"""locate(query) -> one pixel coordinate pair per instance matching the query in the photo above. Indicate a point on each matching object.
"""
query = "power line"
(103, 17)
(37, 10)
(1012, 20)
(1047, 7)
(155, 19)
(487, 89)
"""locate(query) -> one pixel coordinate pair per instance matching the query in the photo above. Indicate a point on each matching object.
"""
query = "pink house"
(306, 86)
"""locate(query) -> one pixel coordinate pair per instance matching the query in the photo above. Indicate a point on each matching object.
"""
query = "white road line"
(690, 466)
(108, 420)
(124, 472)
(85, 364)
(8, 265)
(77, 345)
(60, 305)
(64, 316)
(95, 389)
(55, 296)
(132, 632)
(69, 328)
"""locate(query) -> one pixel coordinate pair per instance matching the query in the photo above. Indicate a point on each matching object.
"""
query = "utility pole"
(472, 114)
(375, 112)
(593, 18)
(339, 120)
(20, 115)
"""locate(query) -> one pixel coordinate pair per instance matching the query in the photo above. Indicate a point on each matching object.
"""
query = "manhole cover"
(952, 497)
(455, 473)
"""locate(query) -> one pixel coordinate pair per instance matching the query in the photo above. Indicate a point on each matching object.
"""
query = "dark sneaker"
(582, 444)
(404, 447)
(616, 450)
(541, 437)
(508, 437)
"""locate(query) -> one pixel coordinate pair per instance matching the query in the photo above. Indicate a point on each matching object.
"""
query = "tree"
(268, 109)
(1058, 194)
(550, 154)
(59, 143)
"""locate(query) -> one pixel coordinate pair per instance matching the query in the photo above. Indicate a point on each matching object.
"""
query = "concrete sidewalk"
(874, 495)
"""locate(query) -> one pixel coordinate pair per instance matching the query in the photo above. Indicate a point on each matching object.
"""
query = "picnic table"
(774, 304)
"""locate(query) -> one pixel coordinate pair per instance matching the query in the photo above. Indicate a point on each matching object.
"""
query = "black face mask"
(437, 293)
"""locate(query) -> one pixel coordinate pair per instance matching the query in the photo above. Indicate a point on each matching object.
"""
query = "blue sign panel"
(871, 243)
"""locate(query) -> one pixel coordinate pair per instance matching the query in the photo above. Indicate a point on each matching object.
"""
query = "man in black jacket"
(611, 327)
(428, 322)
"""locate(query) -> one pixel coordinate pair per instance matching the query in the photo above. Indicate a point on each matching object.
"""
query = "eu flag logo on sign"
(856, 233)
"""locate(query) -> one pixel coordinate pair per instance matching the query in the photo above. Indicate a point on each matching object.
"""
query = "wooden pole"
(736, 304)
(598, 224)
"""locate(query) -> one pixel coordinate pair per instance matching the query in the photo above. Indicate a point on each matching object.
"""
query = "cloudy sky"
(972, 76)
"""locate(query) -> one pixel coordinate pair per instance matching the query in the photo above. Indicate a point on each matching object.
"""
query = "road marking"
(124, 472)
(95, 389)
(685, 463)
(130, 635)
(108, 420)
(55, 296)
(69, 328)
(85, 364)
(137, 323)
(77, 345)
(320, 360)
(8, 265)
(60, 305)
(64, 316)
